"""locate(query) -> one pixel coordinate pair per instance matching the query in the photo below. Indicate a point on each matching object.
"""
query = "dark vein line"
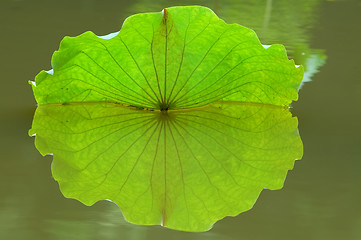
(255, 82)
(104, 179)
(199, 82)
(200, 165)
(241, 91)
(116, 142)
(210, 119)
(222, 133)
(165, 172)
(243, 143)
(198, 34)
(136, 201)
(136, 63)
(181, 167)
(86, 96)
(74, 96)
(131, 112)
(210, 85)
(153, 164)
(114, 164)
(131, 101)
(116, 99)
(97, 118)
(206, 54)
(180, 64)
(221, 114)
(95, 128)
(240, 160)
(152, 98)
(210, 153)
(84, 107)
(135, 29)
(254, 114)
(155, 69)
(99, 127)
(224, 94)
(137, 161)
(203, 203)
(97, 87)
(76, 65)
(56, 120)
(214, 119)
(165, 63)
(106, 174)
(117, 78)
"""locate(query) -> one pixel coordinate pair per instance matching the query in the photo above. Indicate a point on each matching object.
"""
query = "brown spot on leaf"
(165, 16)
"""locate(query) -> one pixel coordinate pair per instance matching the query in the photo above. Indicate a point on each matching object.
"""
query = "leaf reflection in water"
(183, 169)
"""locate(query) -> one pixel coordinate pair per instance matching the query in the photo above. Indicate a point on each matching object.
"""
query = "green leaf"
(185, 168)
(182, 169)
(182, 57)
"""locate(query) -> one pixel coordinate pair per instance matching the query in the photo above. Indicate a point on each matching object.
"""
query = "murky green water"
(320, 199)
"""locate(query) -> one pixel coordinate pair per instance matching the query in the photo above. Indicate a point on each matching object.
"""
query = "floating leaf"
(182, 169)
(183, 57)
(195, 161)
